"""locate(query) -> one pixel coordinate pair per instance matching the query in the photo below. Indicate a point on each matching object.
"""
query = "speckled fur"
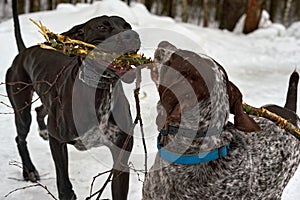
(106, 133)
(258, 165)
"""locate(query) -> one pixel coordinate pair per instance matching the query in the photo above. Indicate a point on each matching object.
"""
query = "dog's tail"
(19, 40)
(291, 98)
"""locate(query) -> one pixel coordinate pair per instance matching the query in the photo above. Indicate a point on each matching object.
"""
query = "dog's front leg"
(120, 183)
(60, 156)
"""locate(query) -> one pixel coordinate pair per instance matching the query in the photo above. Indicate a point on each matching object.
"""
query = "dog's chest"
(104, 132)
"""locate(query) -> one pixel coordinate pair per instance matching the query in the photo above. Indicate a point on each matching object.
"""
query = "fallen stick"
(37, 184)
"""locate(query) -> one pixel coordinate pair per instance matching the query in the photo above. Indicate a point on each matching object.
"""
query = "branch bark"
(279, 121)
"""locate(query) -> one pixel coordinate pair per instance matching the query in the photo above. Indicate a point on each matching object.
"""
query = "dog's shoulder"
(272, 151)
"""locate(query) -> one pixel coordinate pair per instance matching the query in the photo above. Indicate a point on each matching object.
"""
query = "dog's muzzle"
(99, 63)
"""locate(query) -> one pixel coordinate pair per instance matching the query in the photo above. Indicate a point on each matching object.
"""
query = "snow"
(259, 64)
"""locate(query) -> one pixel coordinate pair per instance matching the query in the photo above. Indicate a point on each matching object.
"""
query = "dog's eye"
(101, 27)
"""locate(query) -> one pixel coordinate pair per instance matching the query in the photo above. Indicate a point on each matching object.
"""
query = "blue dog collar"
(192, 159)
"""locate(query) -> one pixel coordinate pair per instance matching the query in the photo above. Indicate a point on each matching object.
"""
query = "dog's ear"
(241, 120)
(75, 33)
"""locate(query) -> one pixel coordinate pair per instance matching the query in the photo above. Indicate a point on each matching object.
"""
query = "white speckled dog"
(202, 155)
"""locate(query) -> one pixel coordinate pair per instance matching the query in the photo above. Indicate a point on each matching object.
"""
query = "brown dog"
(200, 154)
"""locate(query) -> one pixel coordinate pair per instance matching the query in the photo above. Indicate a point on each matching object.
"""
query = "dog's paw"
(31, 176)
(44, 134)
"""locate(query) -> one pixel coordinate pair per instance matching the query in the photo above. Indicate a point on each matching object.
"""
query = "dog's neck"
(210, 115)
(95, 136)
(202, 118)
(188, 145)
(90, 77)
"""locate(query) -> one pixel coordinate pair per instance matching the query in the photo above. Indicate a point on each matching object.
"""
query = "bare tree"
(287, 11)
(50, 4)
(34, 5)
(184, 12)
(276, 7)
(128, 1)
(218, 12)
(232, 10)
(169, 8)
(296, 11)
(206, 13)
(21, 6)
(148, 4)
(254, 11)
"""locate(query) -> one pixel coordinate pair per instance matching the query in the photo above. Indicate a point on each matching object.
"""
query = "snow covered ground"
(259, 64)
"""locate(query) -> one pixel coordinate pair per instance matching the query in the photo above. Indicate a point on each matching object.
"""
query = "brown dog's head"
(195, 92)
(112, 37)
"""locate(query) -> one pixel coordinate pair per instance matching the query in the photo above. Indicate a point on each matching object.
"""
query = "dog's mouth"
(115, 54)
(124, 64)
(102, 67)
(96, 42)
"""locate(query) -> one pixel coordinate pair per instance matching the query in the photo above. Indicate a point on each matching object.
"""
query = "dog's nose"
(130, 36)
(121, 43)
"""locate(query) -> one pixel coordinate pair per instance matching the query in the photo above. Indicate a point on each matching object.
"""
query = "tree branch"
(37, 184)
(279, 121)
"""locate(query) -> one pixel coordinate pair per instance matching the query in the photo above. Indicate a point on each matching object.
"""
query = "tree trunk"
(128, 2)
(253, 15)
(184, 13)
(287, 12)
(49, 4)
(34, 6)
(205, 13)
(232, 10)
(21, 6)
(148, 4)
(168, 8)
(218, 13)
(63, 1)
(276, 10)
(296, 13)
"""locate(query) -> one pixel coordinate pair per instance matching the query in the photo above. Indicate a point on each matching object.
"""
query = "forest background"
(222, 14)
